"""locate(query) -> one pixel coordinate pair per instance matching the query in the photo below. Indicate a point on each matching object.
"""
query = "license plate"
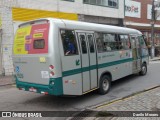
(32, 90)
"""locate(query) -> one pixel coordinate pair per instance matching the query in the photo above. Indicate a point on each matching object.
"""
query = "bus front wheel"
(143, 69)
(105, 84)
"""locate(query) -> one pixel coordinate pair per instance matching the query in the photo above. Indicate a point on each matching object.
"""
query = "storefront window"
(107, 3)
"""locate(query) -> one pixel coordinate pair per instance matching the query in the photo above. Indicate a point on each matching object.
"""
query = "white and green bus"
(62, 57)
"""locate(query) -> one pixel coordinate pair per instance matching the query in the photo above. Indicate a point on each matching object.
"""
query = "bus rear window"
(39, 44)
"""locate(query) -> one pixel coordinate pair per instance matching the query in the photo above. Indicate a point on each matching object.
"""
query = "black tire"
(143, 69)
(104, 84)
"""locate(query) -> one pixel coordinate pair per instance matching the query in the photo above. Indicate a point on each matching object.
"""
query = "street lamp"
(152, 30)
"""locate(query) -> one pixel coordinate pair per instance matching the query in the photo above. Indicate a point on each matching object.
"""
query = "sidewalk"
(154, 59)
(143, 101)
(6, 80)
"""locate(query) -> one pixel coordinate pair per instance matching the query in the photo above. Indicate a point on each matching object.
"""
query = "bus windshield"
(31, 39)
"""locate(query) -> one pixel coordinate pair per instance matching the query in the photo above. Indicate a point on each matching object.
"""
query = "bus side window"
(106, 42)
(144, 50)
(113, 42)
(83, 44)
(128, 43)
(69, 42)
(124, 42)
(99, 41)
(91, 44)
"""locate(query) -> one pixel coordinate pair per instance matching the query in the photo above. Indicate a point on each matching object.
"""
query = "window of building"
(107, 42)
(69, 42)
(108, 3)
(86, 1)
(112, 3)
(69, 0)
(104, 2)
(93, 2)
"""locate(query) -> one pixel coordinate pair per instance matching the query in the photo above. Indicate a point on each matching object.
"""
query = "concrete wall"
(7, 40)
(74, 7)
(7, 35)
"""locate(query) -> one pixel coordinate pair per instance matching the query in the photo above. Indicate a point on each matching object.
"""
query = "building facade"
(14, 12)
(138, 15)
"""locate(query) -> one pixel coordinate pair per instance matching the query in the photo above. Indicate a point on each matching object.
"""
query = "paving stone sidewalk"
(144, 101)
(6, 80)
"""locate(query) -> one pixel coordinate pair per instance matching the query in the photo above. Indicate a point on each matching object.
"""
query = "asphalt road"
(13, 99)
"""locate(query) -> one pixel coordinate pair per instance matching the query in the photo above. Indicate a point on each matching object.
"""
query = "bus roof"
(79, 25)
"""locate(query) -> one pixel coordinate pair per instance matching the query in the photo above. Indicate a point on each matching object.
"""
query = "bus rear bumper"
(51, 89)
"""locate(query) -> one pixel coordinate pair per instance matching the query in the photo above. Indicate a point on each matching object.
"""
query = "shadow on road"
(79, 102)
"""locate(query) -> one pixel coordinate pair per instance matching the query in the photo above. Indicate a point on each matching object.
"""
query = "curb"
(123, 98)
(7, 84)
(108, 103)
(154, 59)
(7, 80)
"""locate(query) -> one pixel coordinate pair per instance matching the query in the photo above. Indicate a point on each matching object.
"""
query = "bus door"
(136, 65)
(92, 60)
(88, 60)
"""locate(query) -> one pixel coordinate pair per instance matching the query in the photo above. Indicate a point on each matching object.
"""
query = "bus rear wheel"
(143, 69)
(105, 84)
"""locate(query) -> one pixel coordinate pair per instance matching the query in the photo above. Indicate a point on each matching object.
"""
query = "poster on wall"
(132, 9)
(31, 39)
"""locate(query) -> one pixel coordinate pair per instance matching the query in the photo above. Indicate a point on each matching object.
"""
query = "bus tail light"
(45, 93)
(51, 73)
(21, 88)
(51, 67)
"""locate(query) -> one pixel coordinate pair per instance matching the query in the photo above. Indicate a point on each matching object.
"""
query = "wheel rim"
(143, 69)
(105, 84)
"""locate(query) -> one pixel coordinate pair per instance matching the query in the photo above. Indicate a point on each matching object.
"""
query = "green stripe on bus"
(71, 72)
(114, 63)
(92, 67)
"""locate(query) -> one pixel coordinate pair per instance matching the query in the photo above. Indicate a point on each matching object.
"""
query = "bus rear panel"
(33, 69)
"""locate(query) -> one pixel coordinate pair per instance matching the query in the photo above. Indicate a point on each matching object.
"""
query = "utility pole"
(152, 30)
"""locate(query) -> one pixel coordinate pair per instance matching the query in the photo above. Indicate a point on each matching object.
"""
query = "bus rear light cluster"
(51, 73)
(45, 93)
(51, 67)
(21, 88)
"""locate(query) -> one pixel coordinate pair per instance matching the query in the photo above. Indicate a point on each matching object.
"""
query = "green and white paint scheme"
(81, 73)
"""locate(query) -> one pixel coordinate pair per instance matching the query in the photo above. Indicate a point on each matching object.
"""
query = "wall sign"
(132, 9)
